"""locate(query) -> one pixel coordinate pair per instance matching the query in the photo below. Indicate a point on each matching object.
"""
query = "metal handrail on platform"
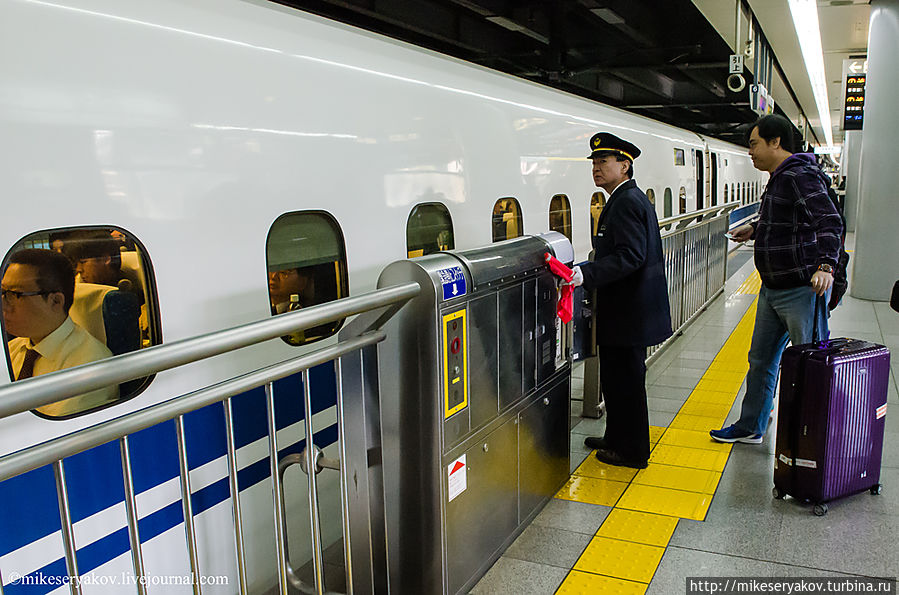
(695, 264)
(375, 308)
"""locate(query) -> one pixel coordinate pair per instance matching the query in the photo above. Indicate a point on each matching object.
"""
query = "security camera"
(736, 82)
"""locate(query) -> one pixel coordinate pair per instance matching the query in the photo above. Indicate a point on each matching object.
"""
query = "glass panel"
(429, 230)
(74, 296)
(682, 195)
(306, 265)
(668, 205)
(651, 195)
(507, 223)
(597, 202)
(560, 215)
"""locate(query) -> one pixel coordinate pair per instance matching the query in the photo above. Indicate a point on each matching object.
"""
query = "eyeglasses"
(14, 296)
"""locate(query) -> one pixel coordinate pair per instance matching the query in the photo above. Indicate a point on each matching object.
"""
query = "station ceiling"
(663, 60)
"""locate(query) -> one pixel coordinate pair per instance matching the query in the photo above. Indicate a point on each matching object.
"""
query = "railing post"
(280, 535)
(68, 533)
(137, 560)
(344, 478)
(234, 487)
(315, 527)
(190, 534)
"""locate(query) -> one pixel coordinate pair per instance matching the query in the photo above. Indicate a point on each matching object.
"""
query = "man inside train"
(97, 259)
(37, 291)
(797, 245)
(628, 273)
(284, 283)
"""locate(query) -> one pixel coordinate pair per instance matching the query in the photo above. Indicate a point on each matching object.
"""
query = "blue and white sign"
(453, 281)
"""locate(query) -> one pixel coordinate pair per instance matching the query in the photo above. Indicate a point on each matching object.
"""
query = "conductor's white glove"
(578, 278)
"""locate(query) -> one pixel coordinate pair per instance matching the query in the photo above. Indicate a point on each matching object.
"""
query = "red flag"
(565, 307)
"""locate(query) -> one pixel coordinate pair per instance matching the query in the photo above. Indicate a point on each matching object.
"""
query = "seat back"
(87, 308)
(110, 315)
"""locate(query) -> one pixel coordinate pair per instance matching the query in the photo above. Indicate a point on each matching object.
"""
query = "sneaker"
(734, 434)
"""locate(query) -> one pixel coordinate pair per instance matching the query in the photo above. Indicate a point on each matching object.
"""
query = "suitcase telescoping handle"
(816, 337)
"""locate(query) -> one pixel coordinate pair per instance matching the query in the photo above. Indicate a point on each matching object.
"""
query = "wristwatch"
(825, 268)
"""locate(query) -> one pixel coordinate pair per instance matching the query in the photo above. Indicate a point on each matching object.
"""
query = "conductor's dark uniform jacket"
(628, 272)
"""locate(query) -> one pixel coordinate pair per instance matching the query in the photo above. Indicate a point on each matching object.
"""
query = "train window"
(682, 195)
(679, 157)
(507, 223)
(726, 196)
(306, 265)
(651, 195)
(746, 192)
(429, 230)
(73, 296)
(560, 215)
(597, 202)
(668, 205)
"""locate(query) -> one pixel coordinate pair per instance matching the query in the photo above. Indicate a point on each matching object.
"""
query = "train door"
(713, 170)
(700, 180)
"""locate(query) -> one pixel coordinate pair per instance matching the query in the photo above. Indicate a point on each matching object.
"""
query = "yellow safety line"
(684, 471)
(751, 286)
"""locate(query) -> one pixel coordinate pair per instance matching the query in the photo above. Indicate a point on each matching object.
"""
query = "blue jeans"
(782, 315)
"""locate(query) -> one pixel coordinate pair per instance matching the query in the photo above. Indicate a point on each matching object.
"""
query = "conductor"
(628, 273)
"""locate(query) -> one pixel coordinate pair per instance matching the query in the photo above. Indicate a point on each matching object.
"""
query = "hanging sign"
(854, 73)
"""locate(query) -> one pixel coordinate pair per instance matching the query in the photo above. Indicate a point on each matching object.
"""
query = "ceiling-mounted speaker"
(736, 82)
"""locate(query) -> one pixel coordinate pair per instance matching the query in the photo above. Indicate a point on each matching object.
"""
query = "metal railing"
(695, 252)
(357, 341)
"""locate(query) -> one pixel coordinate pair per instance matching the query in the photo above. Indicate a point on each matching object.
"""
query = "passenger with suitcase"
(797, 245)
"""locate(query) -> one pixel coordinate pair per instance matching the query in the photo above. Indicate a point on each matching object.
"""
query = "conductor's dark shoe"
(611, 457)
(595, 442)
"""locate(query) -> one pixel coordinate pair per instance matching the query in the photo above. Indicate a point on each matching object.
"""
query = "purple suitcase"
(830, 423)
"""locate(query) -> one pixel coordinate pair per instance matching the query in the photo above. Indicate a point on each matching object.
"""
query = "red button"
(454, 346)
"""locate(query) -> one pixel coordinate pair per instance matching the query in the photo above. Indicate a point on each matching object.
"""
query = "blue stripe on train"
(94, 477)
(743, 212)
(29, 509)
(52, 571)
(114, 545)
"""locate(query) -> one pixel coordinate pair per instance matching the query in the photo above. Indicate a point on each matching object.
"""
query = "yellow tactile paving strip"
(587, 582)
(591, 490)
(751, 286)
(684, 470)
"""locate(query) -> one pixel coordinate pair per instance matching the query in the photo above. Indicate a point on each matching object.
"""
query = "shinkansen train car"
(207, 164)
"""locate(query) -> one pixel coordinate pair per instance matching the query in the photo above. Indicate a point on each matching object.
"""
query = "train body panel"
(194, 128)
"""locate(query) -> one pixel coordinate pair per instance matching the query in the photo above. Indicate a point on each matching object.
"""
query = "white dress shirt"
(66, 347)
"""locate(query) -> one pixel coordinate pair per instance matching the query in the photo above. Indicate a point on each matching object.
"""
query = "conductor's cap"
(604, 143)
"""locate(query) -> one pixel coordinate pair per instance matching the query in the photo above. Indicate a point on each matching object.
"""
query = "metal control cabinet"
(475, 391)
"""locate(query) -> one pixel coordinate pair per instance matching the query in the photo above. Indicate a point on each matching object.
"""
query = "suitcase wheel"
(820, 509)
(778, 494)
(876, 489)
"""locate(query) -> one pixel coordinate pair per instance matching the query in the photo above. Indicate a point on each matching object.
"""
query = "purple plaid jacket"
(799, 227)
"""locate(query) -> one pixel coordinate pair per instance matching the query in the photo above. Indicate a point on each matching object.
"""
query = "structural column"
(851, 166)
(875, 264)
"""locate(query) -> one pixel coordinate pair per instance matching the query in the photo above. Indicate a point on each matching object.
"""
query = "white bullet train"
(246, 159)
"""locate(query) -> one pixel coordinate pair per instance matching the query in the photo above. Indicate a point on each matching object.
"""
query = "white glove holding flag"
(578, 278)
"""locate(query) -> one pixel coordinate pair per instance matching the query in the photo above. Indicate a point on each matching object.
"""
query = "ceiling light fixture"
(805, 20)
